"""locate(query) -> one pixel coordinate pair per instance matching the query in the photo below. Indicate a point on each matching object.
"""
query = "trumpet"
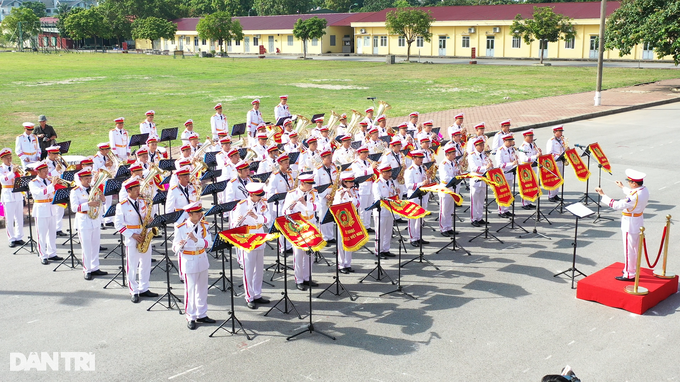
(62, 166)
(64, 182)
(18, 170)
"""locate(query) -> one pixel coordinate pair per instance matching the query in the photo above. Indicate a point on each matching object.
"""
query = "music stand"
(315, 116)
(221, 245)
(262, 177)
(580, 211)
(318, 255)
(112, 212)
(214, 189)
(378, 268)
(560, 203)
(585, 198)
(163, 221)
(21, 185)
(62, 196)
(277, 264)
(138, 139)
(160, 199)
(399, 289)
(486, 233)
(374, 157)
(254, 165)
(281, 120)
(238, 129)
(454, 243)
(293, 157)
(169, 135)
(418, 193)
(285, 299)
(328, 218)
(112, 187)
(218, 210)
(512, 224)
(64, 147)
(599, 197)
(357, 182)
(356, 144)
(123, 172)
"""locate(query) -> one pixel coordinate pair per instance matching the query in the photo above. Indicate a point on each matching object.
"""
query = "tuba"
(301, 126)
(195, 173)
(102, 176)
(145, 187)
(353, 125)
(115, 163)
(333, 122)
(198, 155)
(383, 107)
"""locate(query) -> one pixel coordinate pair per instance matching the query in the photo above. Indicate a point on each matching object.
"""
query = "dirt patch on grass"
(329, 87)
(67, 81)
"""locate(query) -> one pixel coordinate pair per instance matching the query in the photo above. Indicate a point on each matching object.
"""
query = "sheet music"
(580, 210)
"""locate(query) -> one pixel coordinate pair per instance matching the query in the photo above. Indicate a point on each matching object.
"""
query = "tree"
(311, 28)
(30, 25)
(281, 7)
(118, 20)
(339, 5)
(62, 12)
(545, 25)
(37, 7)
(636, 22)
(219, 26)
(409, 23)
(153, 28)
(141, 9)
(84, 23)
(376, 5)
(234, 7)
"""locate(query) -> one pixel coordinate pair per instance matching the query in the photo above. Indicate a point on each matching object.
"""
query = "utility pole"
(600, 54)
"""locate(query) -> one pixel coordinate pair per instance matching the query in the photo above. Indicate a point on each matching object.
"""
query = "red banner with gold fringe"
(301, 234)
(247, 241)
(600, 157)
(550, 176)
(528, 183)
(405, 208)
(441, 187)
(352, 231)
(500, 187)
(580, 170)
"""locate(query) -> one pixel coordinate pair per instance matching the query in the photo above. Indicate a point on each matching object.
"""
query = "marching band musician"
(287, 131)
(224, 144)
(361, 167)
(403, 135)
(56, 170)
(309, 156)
(396, 160)
(253, 140)
(129, 221)
(498, 137)
(293, 147)
(89, 232)
(632, 218)
(148, 126)
(323, 140)
(342, 125)
(254, 117)
(254, 213)
(27, 146)
(42, 191)
(85, 164)
(143, 159)
(155, 155)
(236, 188)
(260, 148)
(373, 140)
(362, 134)
(471, 147)
(528, 153)
(507, 160)
(280, 181)
(305, 201)
(218, 122)
(384, 188)
(427, 133)
(101, 161)
(316, 130)
(136, 172)
(281, 110)
(269, 164)
(346, 193)
(416, 177)
(345, 153)
(226, 160)
(185, 154)
(194, 143)
(192, 240)
(457, 125)
(413, 121)
(12, 202)
(326, 174)
(188, 130)
(179, 164)
(555, 146)
(119, 139)
(428, 153)
(182, 194)
(478, 165)
(369, 115)
(448, 169)
(381, 125)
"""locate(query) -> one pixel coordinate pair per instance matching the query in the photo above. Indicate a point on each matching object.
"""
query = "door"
(360, 45)
(181, 43)
(647, 52)
(490, 45)
(594, 47)
(367, 45)
(271, 45)
(246, 42)
(375, 44)
(442, 45)
(543, 44)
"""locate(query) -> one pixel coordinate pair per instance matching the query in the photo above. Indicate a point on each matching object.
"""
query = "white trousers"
(446, 206)
(89, 242)
(253, 271)
(477, 196)
(196, 295)
(386, 221)
(301, 265)
(510, 178)
(45, 229)
(630, 250)
(14, 220)
(59, 217)
(138, 264)
(327, 230)
(365, 201)
(414, 225)
(344, 257)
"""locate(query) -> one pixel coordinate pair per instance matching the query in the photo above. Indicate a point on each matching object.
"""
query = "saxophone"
(143, 246)
(431, 173)
(334, 188)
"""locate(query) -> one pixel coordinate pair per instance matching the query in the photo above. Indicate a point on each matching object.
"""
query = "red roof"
(275, 22)
(587, 10)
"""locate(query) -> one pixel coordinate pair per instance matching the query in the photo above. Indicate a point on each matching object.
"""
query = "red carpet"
(603, 288)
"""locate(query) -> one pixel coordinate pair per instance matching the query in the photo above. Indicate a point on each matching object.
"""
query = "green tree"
(153, 28)
(86, 23)
(311, 28)
(30, 25)
(376, 5)
(409, 23)
(219, 26)
(37, 7)
(234, 7)
(62, 12)
(636, 22)
(120, 23)
(339, 5)
(545, 25)
(281, 7)
(164, 9)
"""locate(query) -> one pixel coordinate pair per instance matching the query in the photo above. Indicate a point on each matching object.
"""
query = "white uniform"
(278, 183)
(13, 205)
(147, 127)
(281, 111)
(470, 147)
(454, 128)
(128, 221)
(289, 148)
(504, 158)
(119, 142)
(384, 219)
(497, 141)
(477, 166)
(323, 143)
(632, 219)
(42, 192)
(344, 195)
(261, 152)
(89, 232)
(253, 119)
(307, 159)
(27, 149)
(343, 155)
(155, 157)
(447, 171)
(415, 177)
(528, 154)
(302, 266)
(410, 126)
(253, 261)
(58, 210)
(554, 147)
(218, 124)
(194, 262)
(362, 168)
(395, 161)
(186, 134)
(266, 165)
(236, 189)
(322, 176)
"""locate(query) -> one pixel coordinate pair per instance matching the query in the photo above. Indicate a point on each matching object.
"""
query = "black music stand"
(277, 264)
(62, 196)
(123, 172)
(512, 225)
(580, 211)
(164, 221)
(138, 139)
(21, 185)
(293, 157)
(63, 147)
(112, 187)
(560, 203)
(112, 212)
(242, 152)
(338, 284)
(169, 135)
(315, 116)
(538, 214)
(238, 129)
(285, 299)
(599, 197)
(418, 193)
(586, 198)
(166, 165)
(160, 199)
(69, 176)
(378, 268)
(317, 255)
(262, 178)
(399, 289)
(214, 189)
(254, 165)
(220, 245)
(454, 243)
(358, 182)
(486, 233)
(218, 210)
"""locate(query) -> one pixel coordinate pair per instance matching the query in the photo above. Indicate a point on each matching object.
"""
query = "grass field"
(81, 94)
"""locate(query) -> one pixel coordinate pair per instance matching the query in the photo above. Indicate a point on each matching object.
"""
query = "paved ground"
(498, 314)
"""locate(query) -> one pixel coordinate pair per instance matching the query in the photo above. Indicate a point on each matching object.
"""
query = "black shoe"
(424, 241)
(99, 273)
(557, 198)
(12, 244)
(301, 286)
(476, 224)
(261, 300)
(554, 199)
(344, 271)
(446, 233)
(56, 258)
(331, 241)
(88, 276)
(370, 230)
(288, 251)
(102, 227)
(389, 254)
(158, 236)
(350, 270)
(134, 298)
(191, 325)
(400, 220)
(621, 278)
(153, 260)
(251, 305)
(102, 248)
(415, 243)
(44, 261)
(20, 242)
(310, 283)
(206, 320)
(148, 293)
(109, 224)
(482, 221)
(61, 234)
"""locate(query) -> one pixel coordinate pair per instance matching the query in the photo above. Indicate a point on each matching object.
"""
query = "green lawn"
(81, 94)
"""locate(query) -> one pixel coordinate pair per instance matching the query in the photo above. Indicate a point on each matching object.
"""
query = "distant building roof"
(273, 22)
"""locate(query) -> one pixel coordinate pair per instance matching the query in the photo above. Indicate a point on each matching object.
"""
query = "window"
(188, 40)
(569, 44)
(333, 40)
(465, 42)
(196, 41)
(203, 42)
(238, 43)
(402, 41)
(290, 40)
(516, 42)
(229, 43)
(256, 41)
(383, 40)
(315, 42)
(419, 41)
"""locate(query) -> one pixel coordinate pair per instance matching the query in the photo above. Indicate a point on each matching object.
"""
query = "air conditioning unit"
(496, 30)
(258, 36)
(362, 31)
(471, 30)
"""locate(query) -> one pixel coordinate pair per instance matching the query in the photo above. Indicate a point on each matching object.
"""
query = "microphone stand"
(538, 215)
(399, 289)
(599, 197)
(64, 197)
(380, 270)
(112, 212)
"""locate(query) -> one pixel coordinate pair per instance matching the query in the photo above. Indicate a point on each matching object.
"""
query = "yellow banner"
(441, 187)
(405, 208)
(352, 231)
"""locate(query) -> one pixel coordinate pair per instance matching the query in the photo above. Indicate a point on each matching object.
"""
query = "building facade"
(51, 6)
